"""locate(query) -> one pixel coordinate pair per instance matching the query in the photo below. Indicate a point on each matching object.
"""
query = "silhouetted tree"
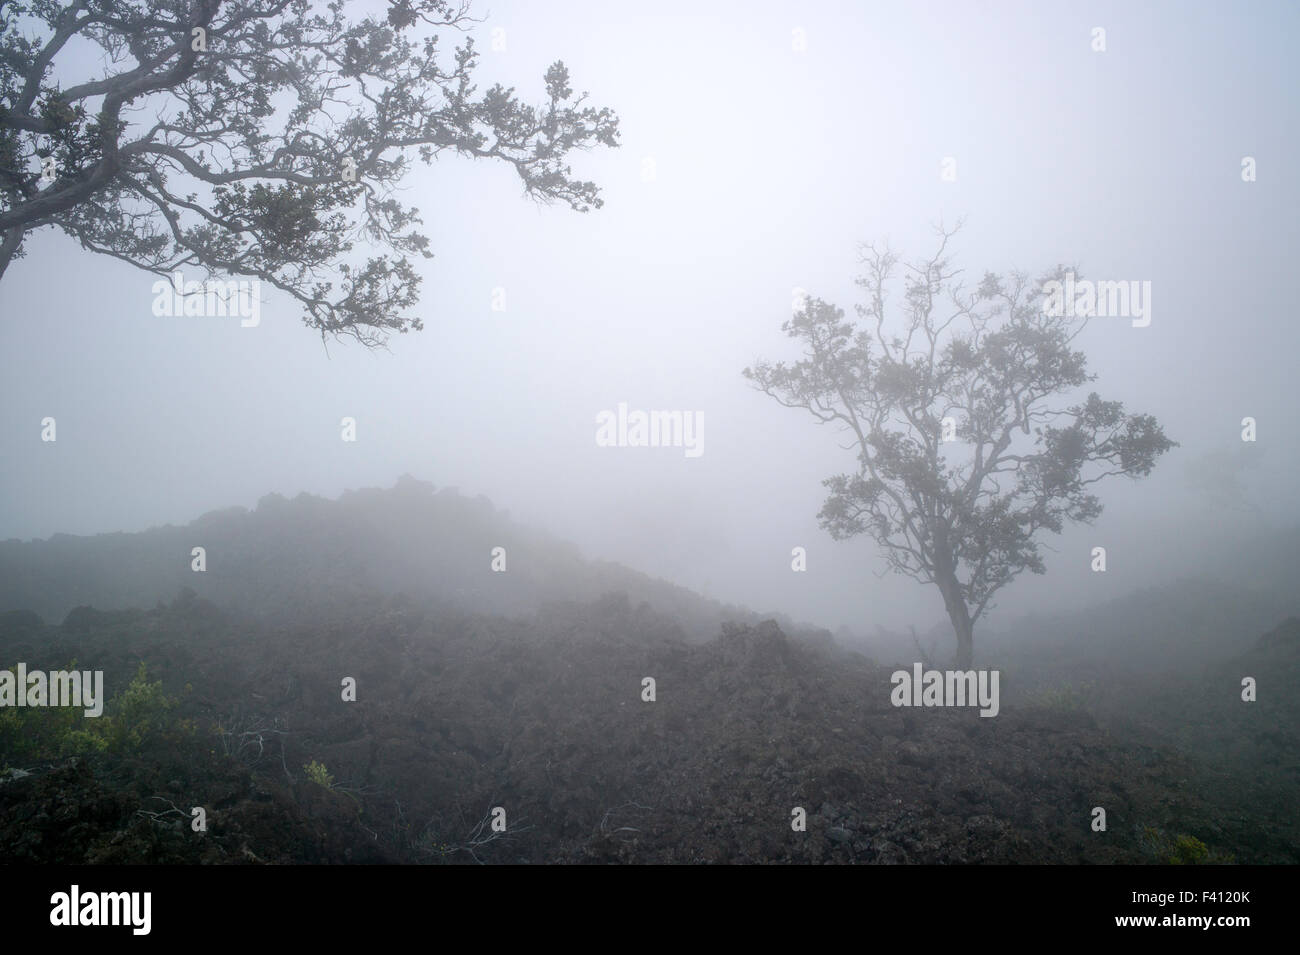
(961, 509)
(261, 139)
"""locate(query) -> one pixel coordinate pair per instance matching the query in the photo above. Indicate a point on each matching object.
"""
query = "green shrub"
(137, 713)
(32, 734)
(1181, 849)
(318, 774)
(39, 733)
(1188, 850)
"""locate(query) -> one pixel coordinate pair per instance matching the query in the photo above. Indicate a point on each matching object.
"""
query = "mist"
(760, 145)
(769, 167)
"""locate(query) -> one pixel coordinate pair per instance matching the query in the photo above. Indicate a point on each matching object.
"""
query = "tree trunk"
(961, 621)
(961, 624)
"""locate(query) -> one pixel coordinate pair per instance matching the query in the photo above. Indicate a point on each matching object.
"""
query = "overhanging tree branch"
(277, 136)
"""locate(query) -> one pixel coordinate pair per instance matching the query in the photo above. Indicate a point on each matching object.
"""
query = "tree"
(262, 139)
(965, 452)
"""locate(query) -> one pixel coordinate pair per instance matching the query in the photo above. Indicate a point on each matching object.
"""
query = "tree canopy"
(263, 140)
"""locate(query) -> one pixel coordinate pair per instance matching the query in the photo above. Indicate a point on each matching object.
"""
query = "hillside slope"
(288, 556)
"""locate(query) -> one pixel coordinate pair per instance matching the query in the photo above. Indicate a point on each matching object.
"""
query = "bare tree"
(263, 140)
(965, 452)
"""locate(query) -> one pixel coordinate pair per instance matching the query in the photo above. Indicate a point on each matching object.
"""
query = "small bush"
(1181, 849)
(1188, 850)
(40, 733)
(318, 774)
(137, 713)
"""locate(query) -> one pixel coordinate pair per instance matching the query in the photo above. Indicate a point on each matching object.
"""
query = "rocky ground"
(456, 715)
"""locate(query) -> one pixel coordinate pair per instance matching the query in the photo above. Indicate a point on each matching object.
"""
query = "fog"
(748, 168)
(656, 527)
